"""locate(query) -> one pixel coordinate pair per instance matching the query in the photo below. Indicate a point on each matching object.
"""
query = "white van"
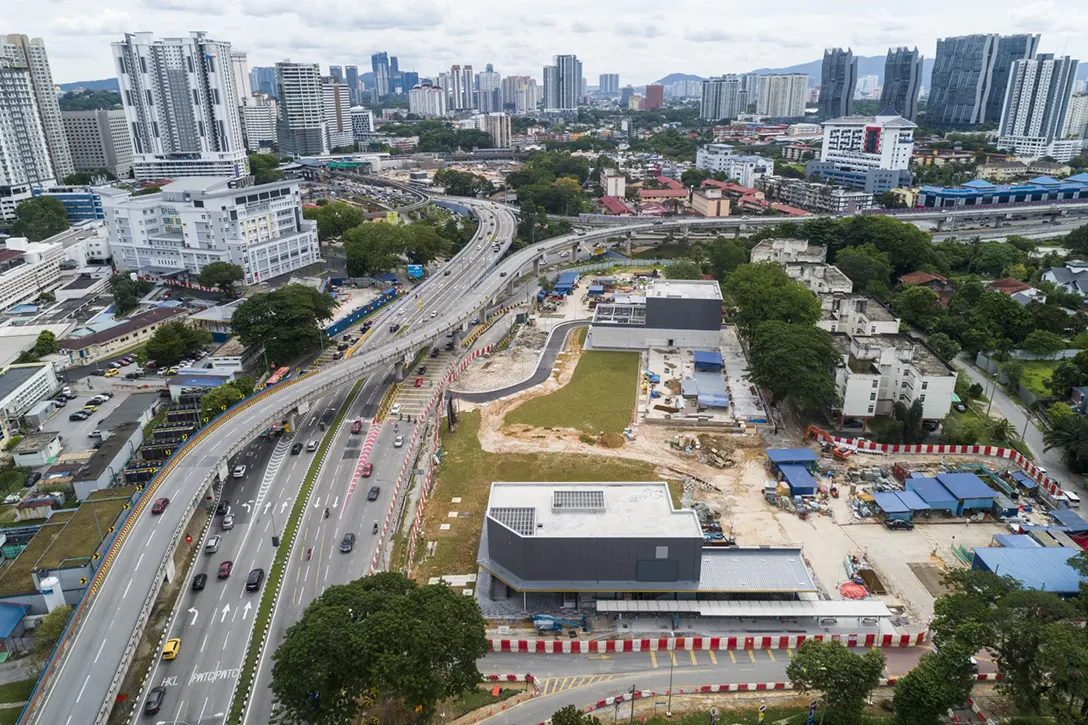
(1071, 498)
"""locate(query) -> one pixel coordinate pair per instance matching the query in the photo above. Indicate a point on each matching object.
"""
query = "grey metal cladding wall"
(588, 559)
(675, 313)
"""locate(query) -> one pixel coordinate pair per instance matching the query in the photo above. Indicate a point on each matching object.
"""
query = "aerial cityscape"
(403, 365)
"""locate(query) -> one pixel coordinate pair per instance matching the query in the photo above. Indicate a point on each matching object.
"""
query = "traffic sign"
(83, 580)
(188, 539)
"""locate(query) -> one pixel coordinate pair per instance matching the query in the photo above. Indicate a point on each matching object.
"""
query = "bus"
(280, 375)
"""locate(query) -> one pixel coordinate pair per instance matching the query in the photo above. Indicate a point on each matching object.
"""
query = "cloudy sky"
(639, 39)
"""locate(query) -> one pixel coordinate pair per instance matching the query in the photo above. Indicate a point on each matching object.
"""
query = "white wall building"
(301, 127)
(1036, 104)
(613, 183)
(196, 221)
(720, 158)
(462, 82)
(99, 140)
(522, 92)
(27, 269)
(239, 68)
(337, 105)
(856, 315)
(497, 125)
(259, 122)
(782, 95)
(866, 152)
(182, 107)
(1076, 121)
(21, 386)
(878, 371)
(24, 154)
(670, 313)
(427, 101)
(30, 54)
(362, 122)
(820, 278)
(788, 251)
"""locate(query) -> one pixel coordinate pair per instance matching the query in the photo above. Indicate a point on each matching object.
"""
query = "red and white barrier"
(493, 677)
(664, 644)
(371, 436)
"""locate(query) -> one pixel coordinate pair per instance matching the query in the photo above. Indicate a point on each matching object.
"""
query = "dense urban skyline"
(607, 37)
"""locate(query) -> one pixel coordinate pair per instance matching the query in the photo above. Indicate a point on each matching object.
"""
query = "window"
(925, 385)
(143, 65)
(922, 398)
(189, 63)
(871, 408)
(872, 396)
(876, 383)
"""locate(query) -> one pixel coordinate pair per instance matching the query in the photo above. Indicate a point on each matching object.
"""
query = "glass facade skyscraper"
(902, 81)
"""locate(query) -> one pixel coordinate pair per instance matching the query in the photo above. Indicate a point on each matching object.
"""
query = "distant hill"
(106, 84)
(867, 65)
(677, 77)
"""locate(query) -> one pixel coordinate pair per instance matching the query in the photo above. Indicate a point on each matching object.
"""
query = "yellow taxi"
(91, 407)
(172, 371)
(171, 648)
(111, 373)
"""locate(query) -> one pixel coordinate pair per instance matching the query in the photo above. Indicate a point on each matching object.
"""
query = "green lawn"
(750, 716)
(599, 397)
(10, 715)
(1036, 373)
(17, 691)
(467, 472)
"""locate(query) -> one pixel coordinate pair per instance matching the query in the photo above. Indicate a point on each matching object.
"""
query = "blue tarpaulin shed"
(912, 501)
(1045, 568)
(713, 400)
(780, 456)
(933, 493)
(596, 289)
(890, 504)
(565, 284)
(1023, 479)
(1016, 541)
(800, 481)
(970, 492)
(708, 361)
(1070, 519)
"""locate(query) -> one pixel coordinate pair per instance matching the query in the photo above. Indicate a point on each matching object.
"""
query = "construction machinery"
(546, 623)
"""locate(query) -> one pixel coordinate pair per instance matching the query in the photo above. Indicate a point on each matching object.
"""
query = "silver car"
(228, 522)
(212, 545)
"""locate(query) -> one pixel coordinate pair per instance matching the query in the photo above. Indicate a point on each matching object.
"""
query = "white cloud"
(105, 22)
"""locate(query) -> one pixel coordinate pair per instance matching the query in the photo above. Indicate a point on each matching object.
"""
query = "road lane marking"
(138, 562)
(789, 652)
(99, 651)
(770, 654)
(200, 717)
(713, 657)
(672, 653)
(83, 688)
(125, 594)
(204, 642)
(693, 660)
(752, 655)
(732, 657)
(149, 538)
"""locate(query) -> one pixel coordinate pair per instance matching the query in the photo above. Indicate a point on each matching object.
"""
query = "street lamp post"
(672, 667)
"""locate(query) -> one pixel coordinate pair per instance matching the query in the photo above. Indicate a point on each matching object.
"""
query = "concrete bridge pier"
(627, 244)
(574, 251)
(509, 289)
(400, 370)
(536, 267)
(941, 223)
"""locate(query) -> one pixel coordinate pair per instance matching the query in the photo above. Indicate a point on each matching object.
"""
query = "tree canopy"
(462, 183)
(377, 247)
(219, 398)
(684, 269)
(39, 218)
(287, 321)
(794, 362)
(47, 634)
(865, 265)
(762, 292)
(844, 678)
(265, 168)
(416, 644)
(222, 275)
(552, 180)
(46, 344)
(127, 292)
(335, 218)
(724, 256)
(174, 340)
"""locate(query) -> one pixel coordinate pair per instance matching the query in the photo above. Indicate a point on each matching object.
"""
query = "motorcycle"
(309, 553)
(375, 527)
(326, 513)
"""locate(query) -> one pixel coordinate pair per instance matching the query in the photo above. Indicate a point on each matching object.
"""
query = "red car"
(368, 468)
(419, 382)
(159, 506)
(224, 569)
(357, 426)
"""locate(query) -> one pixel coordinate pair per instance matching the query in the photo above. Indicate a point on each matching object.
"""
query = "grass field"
(750, 716)
(1036, 373)
(467, 472)
(17, 691)
(599, 397)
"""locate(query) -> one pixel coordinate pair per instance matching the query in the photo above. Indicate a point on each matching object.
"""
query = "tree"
(724, 256)
(374, 248)
(684, 269)
(462, 183)
(966, 431)
(794, 362)
(694, 177)
(174, 340)
(222, 275)
(287, 321)
(762, 292)
(47, 634)
(416, 644)
(864, 264)
(908, 247)
(844, 678)
(1064, 657)
(918, 306)
(39, 218)
(1068, 374)
(545, 284)
(127, 292)
(571, 715)
(1071, 435)
(943, 345)
(941, 680)
(1001, 430)
(46, 344)
(26, 357)
(265, 168)
(219, 398)
(100, 100)
(889, 200)
(335, 218)
(86, 178)
(1077, 240)
(1013, 370)
(425, 244)
(1043, 343)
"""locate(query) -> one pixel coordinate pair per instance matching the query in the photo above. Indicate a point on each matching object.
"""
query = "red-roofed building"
(789, 210)
(935, 282)
(653, 209)
(613, 205)
(669, 183)
(1008, 285)
(662, 194)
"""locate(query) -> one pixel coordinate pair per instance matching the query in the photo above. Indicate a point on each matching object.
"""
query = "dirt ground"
(512, 365)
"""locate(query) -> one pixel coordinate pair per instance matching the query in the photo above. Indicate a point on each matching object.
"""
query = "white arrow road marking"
(195, 613)
(283, 507)
(226, 611)
(245, 612)
(247, 505)
(267, 505)
(336, 502)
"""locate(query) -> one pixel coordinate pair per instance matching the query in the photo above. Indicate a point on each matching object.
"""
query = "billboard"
(415, 271)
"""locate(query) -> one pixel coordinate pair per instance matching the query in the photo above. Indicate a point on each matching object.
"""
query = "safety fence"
(663, 644)
(487, 324)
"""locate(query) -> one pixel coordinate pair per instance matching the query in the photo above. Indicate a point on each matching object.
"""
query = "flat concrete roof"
(130, 409)
(597, 510)
(846, 608)
(13, 377)
(700, 289)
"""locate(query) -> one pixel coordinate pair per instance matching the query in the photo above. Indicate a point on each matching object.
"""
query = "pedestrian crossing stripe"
(553, 685)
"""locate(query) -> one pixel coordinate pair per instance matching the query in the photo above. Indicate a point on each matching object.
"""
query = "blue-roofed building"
(779, 456)
(1015, 541)
(899, 504)
(196, 378)
(798, 478)
(936, 496)
(564, 285)
(1069, 519)
(1043, 568)
(708, 361)
(978, 192)
(1024, 481)
(11, 624)
(969, 490)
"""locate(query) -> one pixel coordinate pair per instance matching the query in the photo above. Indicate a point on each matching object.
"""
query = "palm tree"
(1071, 434)
(1001, 430)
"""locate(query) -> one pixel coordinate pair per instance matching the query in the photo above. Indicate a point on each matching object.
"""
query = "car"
(479, 247)
(132, 376)
(211, 546)
(66, 391)
(159, 506)
(434, 313)
(395, 410)
(418, 383)
(398, 442)
(357, 426)
(311, 446)
(372, 494)
(171, 648)
(930, 425)
(32, 478)
(342, 346)
(239, 472)
(959, 407)
(199, 581)
(475, 320)
(124, 362)
(338, 355)
(96, 433)
(79, 416)
(898, 525)
(368, 468)
(111, 373)
(91, 407)
(253, 581)
(394, 327)
(564, 255)
(154, 700)
(446, 273)
(228, 522)
(115, 365)
(223, 507)
(225, 568)
(296, 448)
(347, 544)
(435, 352)
(172, 371)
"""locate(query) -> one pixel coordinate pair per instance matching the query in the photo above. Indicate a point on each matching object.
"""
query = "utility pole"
(632, 691)
(672, 667)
